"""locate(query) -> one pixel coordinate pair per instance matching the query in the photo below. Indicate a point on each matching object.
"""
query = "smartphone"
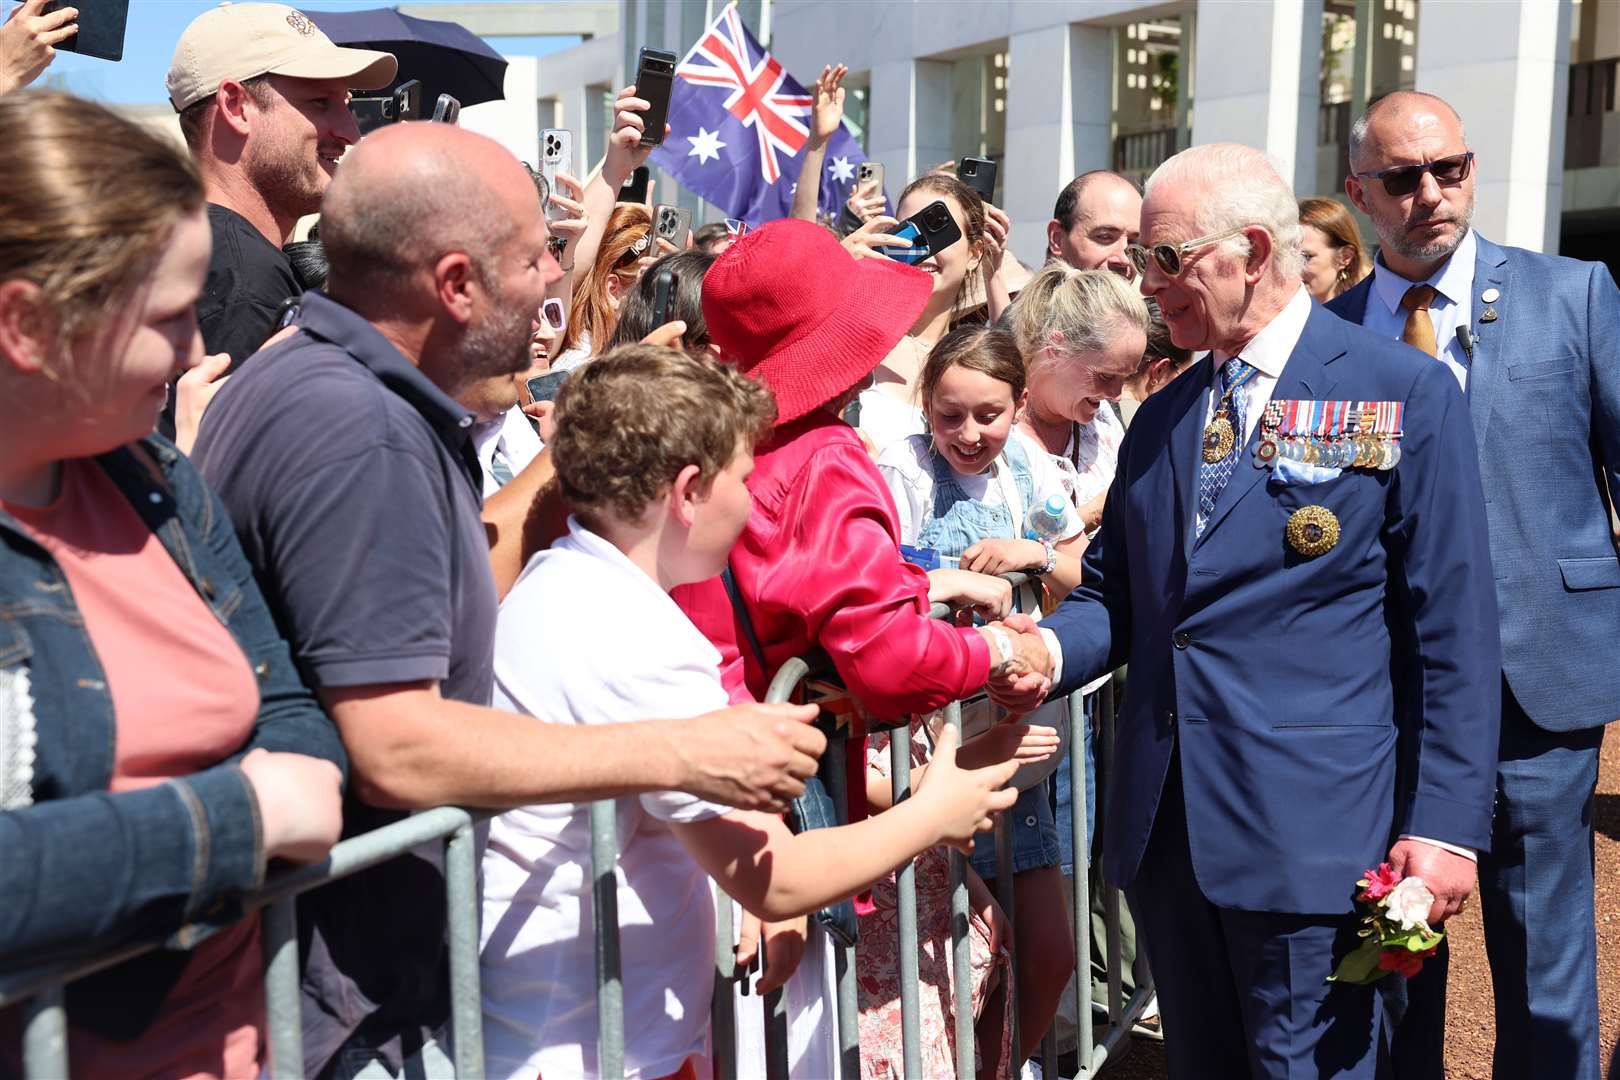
(869, 178)
(979, 174)
(448, 110)
(655, 78)
(916, 253)
(101, 27)
(371, 113)
(635, 188)
(664, 297)
(545, 387)
(672, 223)
(556, 156)
(937, 226)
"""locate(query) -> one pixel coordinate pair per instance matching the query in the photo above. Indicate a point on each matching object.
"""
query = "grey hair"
(1358, 130)
(1241, 187)
(1087, 309)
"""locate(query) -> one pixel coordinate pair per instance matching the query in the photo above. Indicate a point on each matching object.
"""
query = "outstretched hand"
(961, 800)
(625, 154)
(827, 110)
(28, 42)
(752, 757)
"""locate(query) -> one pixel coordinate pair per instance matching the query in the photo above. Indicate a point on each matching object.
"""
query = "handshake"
(1020, 682)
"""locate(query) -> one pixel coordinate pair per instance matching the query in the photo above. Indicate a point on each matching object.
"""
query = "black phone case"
(936, 239)
(984, 180)
(654, 88)
(636, 190)
(101, 27)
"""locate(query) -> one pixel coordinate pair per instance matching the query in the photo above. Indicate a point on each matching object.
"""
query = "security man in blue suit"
(1294, 542)
(1533, 339)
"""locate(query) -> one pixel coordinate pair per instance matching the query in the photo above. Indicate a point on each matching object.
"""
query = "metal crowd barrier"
(45, 1031)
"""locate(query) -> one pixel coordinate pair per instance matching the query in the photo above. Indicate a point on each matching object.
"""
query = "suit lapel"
(1485, 370)
(1307, 376)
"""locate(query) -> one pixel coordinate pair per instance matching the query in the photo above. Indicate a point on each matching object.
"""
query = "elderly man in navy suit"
(1294, 545)
(1532, 339)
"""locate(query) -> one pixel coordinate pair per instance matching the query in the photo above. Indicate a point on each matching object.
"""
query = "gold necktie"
(1419, 329)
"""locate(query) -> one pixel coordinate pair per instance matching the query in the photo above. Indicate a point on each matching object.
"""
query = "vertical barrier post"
(1105, 705)
(466, 996)
(1084, 1034)
(849, 1018)
(283, 1014)
(723, 1012)
(961, 943)
(906, 923)
(776, 1032)
(45, 1036)
(609, 980)
(1005, 896)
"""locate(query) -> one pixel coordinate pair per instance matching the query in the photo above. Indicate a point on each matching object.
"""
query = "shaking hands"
(1021, 682)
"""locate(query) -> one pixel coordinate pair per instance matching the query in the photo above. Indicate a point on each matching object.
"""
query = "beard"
(290, 182)
(1392, 233)
(499, 343)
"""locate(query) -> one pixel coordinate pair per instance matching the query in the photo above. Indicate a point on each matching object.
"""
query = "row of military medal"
(1331, 434)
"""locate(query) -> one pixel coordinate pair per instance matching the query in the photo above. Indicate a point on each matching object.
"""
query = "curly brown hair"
(631, 420)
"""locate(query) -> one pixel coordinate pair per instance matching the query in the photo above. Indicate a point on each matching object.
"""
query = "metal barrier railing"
(45, 1022)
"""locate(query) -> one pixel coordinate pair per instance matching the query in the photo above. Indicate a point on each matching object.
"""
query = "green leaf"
(1360, 966)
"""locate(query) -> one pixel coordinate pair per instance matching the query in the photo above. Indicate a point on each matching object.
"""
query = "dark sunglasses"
(1170, 256)
(1404, 179)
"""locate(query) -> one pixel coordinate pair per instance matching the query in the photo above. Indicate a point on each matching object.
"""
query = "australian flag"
(739, 124)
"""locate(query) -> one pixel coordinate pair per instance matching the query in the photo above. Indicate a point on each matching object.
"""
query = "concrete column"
(911, 118)
(1511, 73)
(1259, 81)
(1046, 146)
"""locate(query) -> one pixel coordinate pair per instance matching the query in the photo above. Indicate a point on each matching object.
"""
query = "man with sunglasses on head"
(1532, 340)
(1266, 546)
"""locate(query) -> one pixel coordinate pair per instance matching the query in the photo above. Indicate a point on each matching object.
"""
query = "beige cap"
(244, 41)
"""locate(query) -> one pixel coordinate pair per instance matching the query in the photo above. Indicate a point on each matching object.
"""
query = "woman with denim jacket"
(156, 745)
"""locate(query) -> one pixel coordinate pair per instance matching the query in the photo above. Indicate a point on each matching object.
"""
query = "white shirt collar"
(1270, 349)
(1454, 279)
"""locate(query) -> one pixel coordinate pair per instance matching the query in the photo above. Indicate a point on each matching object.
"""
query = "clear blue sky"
(154, 27)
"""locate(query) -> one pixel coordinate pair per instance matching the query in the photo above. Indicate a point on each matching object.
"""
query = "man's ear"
(453, 284)
(27, 327)
(231, 104)
(1261, 248)
(685, 495)
(1054, 239)
(1358, 196)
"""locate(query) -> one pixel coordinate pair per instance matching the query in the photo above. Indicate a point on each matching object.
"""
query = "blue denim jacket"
(81, 868)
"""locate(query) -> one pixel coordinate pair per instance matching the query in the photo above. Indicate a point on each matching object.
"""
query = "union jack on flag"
(738, 128)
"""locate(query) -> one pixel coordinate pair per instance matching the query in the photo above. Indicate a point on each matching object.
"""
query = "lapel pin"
(1490, 296)
(1489, 316)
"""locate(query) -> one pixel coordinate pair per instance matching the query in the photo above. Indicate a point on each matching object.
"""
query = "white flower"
(1408, 904)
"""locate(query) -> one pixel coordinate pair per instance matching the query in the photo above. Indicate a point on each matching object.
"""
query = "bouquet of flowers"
(1395, 935)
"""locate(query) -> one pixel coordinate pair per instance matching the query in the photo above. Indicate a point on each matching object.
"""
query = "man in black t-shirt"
(262, 95)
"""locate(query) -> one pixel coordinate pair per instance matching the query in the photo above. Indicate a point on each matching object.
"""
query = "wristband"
(1051, 558)
(1004, 644)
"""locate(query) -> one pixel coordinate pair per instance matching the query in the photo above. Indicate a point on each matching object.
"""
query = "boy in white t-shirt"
(652, 450)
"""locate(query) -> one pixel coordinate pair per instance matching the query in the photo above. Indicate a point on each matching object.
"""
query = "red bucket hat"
(787, 305)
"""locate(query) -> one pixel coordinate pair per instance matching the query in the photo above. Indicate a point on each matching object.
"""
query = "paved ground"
(1470, 1025)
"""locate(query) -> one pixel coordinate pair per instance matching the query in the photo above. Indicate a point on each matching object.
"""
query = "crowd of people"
(484, 494)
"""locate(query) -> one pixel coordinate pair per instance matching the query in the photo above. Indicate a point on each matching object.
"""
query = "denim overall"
(955, 524)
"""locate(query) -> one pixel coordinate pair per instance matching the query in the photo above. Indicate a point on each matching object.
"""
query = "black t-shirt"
(248, 279)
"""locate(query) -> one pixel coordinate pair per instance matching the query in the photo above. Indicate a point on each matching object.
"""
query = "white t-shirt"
(586, 637)
(886, 419)
(907, 468)
(569, 359)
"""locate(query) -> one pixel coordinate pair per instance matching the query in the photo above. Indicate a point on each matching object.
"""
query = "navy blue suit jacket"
(1544, 397)
(1279, 675)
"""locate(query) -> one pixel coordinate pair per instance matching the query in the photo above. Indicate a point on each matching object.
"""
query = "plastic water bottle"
(1045, 521)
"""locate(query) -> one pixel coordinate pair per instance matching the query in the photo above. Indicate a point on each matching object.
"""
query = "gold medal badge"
(1218, 438)
(1312, 531)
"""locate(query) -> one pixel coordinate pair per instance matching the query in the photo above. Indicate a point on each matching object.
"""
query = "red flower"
(1379, 882)
(1404, 961)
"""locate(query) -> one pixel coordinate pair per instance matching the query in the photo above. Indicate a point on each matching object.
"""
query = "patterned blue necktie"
(1212, 476)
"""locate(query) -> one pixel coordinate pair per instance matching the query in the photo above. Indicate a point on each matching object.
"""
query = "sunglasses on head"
(1404, 179)
(1170, 256)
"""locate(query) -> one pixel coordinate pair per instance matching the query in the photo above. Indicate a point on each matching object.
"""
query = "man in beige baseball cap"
(263, 98)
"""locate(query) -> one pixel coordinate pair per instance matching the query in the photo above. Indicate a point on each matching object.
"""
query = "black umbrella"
(445, 57)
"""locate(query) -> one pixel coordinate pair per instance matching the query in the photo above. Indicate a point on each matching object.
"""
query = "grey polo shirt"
(353, 484)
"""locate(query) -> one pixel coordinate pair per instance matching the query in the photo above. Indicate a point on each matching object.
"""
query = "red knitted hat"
(790, 307)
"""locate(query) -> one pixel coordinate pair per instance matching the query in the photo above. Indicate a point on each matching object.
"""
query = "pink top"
(819, 565)
(184, 699)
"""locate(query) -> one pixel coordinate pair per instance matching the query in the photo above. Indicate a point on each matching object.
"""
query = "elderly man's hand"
(1449, 876)
(753, 757)
(28, 42)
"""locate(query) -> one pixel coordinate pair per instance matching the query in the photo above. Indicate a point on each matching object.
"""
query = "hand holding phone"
(556, 156)
(100, 27)
(655, 80)
(978, 174)
(672, 223)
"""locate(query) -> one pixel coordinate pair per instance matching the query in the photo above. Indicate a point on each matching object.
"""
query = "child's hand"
(1021, 743)
(827, 112)
(961, 800)
(983, 594)
(1004, 556)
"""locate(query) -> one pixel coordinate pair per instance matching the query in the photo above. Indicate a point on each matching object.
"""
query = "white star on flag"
(706, 145)
(841, 170)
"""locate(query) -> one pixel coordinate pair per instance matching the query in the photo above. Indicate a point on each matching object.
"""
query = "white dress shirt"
(1453, 304)
(513, 438)
(1268, 352)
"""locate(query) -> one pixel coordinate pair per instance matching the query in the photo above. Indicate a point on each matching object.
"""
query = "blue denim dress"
(955, 523)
